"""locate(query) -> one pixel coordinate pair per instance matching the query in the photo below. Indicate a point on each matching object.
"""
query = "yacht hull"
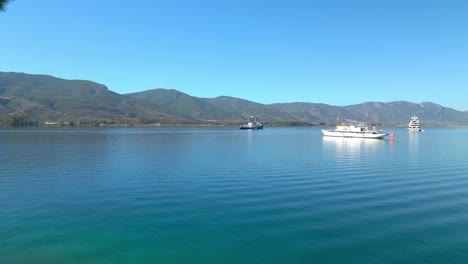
(251, 128)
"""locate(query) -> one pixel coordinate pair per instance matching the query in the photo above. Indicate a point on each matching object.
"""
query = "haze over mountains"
(47, 98)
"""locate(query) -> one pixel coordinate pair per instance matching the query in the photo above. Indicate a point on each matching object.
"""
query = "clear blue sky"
(324, 51)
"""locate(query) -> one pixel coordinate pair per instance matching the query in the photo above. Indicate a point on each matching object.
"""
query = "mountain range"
(47, 98)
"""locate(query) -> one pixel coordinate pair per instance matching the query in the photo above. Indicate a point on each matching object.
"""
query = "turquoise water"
(221, 195)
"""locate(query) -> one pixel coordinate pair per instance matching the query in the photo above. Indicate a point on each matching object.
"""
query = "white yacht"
(414, 125)
(354, 131)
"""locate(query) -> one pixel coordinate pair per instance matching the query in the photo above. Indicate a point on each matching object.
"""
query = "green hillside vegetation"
(184, 105)
(43, 97)
(244, 109)
(399, 112)
(312, 112)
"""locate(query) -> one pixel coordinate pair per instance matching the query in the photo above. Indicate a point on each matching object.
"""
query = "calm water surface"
(221, 195)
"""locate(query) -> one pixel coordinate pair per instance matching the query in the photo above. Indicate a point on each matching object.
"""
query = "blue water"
(222, 195)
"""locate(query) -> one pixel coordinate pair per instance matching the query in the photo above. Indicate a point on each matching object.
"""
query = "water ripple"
(212, 195)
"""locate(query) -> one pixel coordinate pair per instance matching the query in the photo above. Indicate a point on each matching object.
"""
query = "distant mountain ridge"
(44, 97)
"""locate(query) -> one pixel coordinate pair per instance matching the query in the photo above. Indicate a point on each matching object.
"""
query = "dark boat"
(252, 124)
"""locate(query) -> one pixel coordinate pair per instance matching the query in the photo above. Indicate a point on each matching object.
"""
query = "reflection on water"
(352, 150)
(351, 144)
(250, 137)
(413, 139)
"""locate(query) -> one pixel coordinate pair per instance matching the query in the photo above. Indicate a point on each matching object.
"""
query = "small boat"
(354, 131)
(252, 124)
(414, 125)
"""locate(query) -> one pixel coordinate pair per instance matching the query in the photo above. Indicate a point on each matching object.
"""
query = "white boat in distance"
(354, 131)
(414, 125)
(252, 124)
